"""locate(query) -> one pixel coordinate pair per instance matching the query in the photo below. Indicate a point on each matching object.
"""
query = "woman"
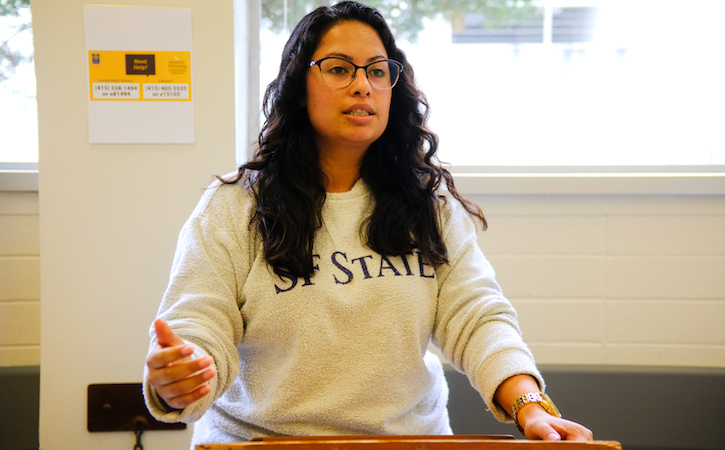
(306, 288)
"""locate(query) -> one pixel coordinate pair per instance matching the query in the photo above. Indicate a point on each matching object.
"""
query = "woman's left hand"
(540, 425)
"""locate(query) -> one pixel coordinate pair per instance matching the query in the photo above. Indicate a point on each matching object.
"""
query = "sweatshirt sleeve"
(476, 327)
(203, 299)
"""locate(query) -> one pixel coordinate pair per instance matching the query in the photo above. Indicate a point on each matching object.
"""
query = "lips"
(359, 110)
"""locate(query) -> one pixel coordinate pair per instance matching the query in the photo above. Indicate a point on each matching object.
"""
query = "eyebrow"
(350, 58)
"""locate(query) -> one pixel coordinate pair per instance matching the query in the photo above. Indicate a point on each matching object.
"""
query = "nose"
(360, 84)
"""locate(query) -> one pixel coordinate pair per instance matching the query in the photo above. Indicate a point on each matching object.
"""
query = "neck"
(341, 169)
(340, 178)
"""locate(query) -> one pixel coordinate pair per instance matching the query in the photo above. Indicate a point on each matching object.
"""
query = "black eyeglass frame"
(365, 69)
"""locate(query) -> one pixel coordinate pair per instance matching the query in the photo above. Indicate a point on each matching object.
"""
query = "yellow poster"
(139, 76)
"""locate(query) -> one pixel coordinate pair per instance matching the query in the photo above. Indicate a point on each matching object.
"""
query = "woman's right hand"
(178, 379)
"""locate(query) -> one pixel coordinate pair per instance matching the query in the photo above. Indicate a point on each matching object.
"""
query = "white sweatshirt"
(344, 351)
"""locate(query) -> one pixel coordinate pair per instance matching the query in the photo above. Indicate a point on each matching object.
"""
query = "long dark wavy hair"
(399, 168)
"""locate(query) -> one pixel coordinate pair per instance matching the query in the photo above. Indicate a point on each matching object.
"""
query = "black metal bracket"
(121, 407)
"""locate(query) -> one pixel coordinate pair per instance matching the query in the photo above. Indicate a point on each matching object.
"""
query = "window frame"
(18, 177)
(524, 180)
(590, 180)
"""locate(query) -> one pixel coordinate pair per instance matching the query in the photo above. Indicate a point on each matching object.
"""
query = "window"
(557, 82)
(18, 116)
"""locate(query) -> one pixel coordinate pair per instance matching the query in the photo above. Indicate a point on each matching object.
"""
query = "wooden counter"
(409, 443)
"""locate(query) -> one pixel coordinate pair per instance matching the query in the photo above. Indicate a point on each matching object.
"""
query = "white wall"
(110, 215)
(615, 280)
(19, 279)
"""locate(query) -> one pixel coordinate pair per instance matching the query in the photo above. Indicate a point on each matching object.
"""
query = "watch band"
(533, 397)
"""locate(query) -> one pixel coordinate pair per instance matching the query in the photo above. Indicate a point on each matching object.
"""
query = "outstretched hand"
(178, 379)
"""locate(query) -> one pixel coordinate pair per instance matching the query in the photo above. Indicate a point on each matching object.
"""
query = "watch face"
(549, 405)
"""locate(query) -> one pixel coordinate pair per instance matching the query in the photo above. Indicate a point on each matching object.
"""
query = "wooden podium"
(460, 442)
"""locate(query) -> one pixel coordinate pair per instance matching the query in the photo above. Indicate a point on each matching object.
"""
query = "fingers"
(187, 399)
(159, 377)
(542, 430)
(177, 379)
(572, 431)
(166, 337)
(181, 383)
(557, 429)
(160, 357)
(182, 393)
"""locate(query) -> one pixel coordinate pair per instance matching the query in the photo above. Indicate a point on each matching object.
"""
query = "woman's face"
(353, 117)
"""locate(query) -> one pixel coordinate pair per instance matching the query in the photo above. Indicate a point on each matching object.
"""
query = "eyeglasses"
(339, 73)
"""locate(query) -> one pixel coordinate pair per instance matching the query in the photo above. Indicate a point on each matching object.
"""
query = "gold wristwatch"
(533, 397)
